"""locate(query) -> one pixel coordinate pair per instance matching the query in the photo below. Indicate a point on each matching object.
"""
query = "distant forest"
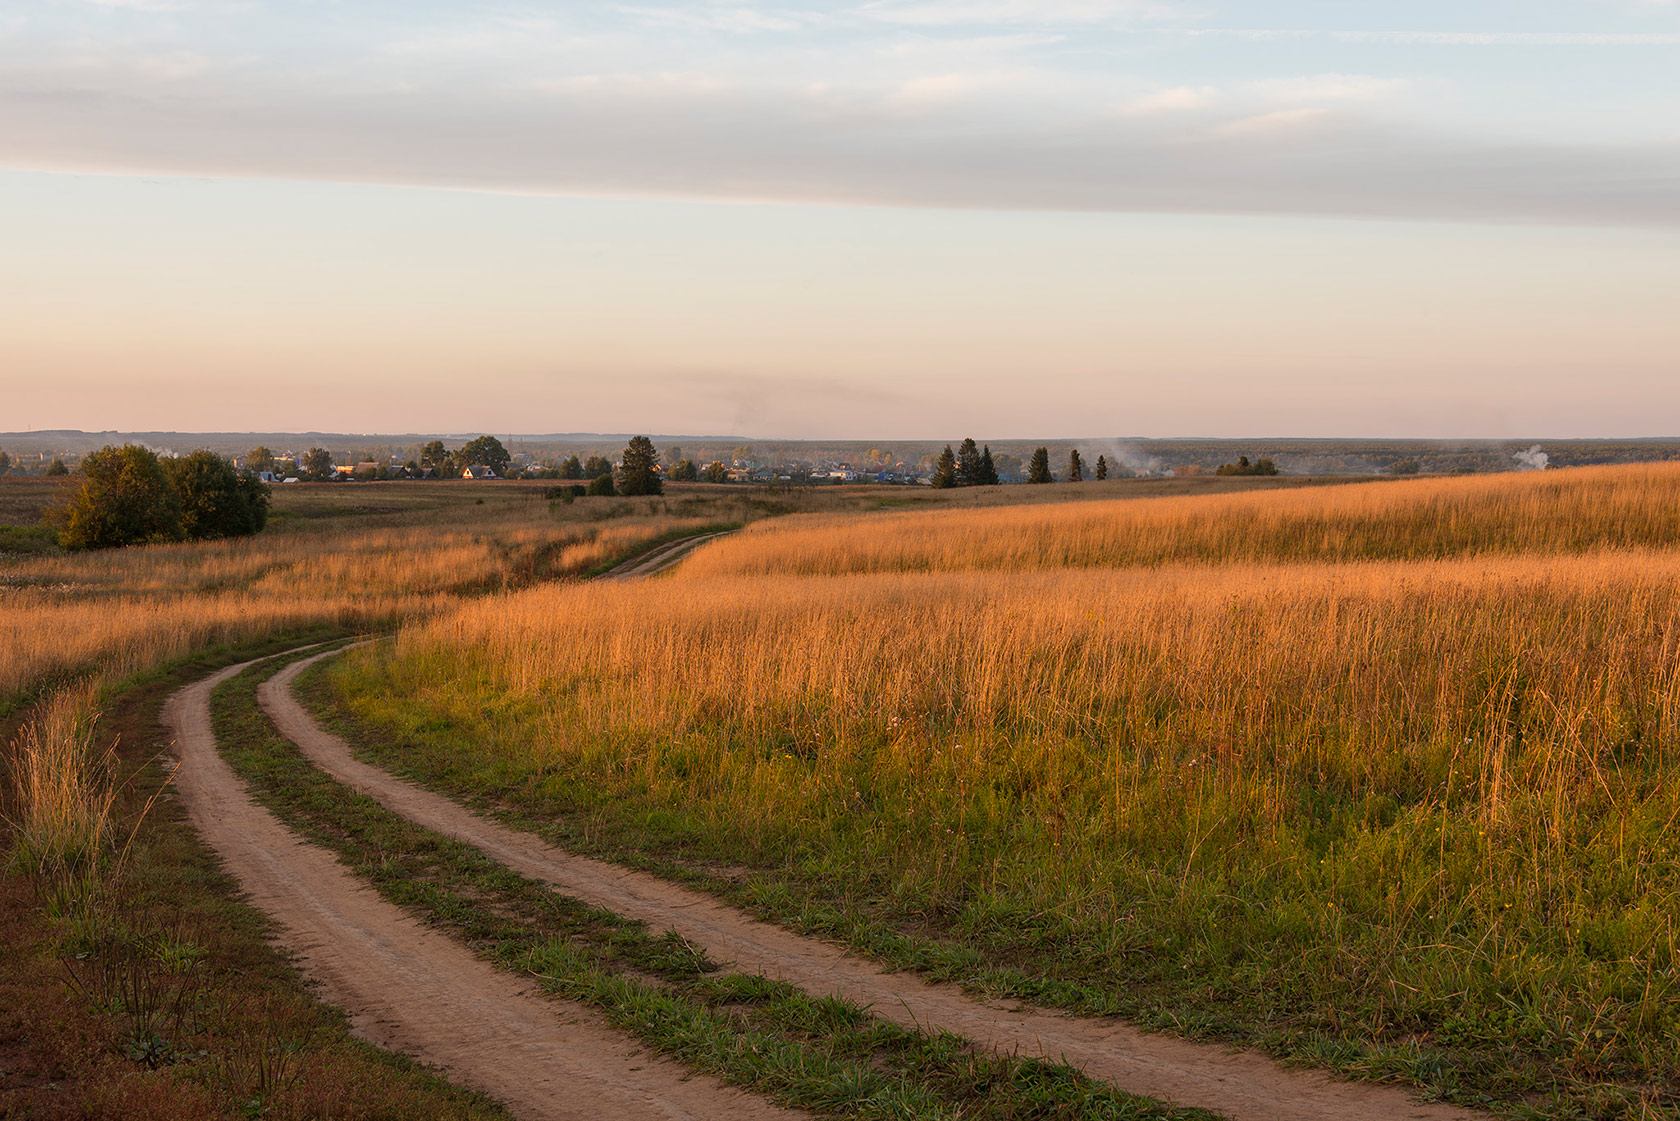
(33, 452)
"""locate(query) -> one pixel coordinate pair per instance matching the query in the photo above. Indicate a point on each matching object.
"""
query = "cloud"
(695, 138)
(1048, 13)
(1280, 121)
(1330, 87)
(140, 5)
(1176, 99)
(985, 117)
(1441, 38)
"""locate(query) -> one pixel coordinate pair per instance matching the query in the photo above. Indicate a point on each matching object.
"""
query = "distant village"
(582, 457)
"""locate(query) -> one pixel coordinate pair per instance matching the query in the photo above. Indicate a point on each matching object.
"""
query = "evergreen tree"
(716, 472)
(601, 486)
(1039, 471)
(685, 471)
(988, 469)
(571, 468)
(968, 464)
(637, 474)
(1076, 467)
(596, 466)
(1102, 468)
(5, 462)
(945, 470)
(56, 467)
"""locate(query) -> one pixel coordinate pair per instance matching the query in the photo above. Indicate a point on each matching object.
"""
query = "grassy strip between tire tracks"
(824, 1055)
(1503, 1079)
(171, 1003)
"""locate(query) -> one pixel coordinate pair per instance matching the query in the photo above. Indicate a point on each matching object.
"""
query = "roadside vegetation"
(823, 1055)
(1381, 778)
(132, 984)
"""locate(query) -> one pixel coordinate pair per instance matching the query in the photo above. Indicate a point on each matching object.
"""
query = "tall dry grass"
(1428, 797)
(64, 787)
(1572, 511)
(119, 612)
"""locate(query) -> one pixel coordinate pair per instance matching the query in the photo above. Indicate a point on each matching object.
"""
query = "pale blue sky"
(1092, 216)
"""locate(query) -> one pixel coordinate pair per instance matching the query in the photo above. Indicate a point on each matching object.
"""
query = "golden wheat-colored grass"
(64, 789)
(1555, 512)
(117, 612)
(1402, 757)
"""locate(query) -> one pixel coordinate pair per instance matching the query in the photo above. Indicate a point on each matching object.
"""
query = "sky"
(884, 218)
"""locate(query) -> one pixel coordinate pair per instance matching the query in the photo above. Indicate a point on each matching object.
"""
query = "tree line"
(973, 466)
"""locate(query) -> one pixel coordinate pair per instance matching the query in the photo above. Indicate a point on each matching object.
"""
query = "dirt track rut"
(665, 556)
(1243, 1086)
(419, 992)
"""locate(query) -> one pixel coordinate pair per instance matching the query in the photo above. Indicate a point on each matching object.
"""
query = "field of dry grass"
(335, 558)
(1378, 776)
(162, 1020)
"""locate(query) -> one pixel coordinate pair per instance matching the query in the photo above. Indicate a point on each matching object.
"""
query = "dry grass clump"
(1554, 512)
(62, 790)
(1425, 801)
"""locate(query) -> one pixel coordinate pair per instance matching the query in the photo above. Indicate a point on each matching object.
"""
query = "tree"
(5, 463)
(1242, 466)
(601, 485)
(484, 451)
(637, 473)
(259, 459)
(1008, 466)
(1039, 471)
(673, 457)
(1102, 468)
(1076, 467)
(216, 499)
(988, 469)
(57, 468)
(685, 471)
(945, 469)
(597, 466)
(1398, 467)
(716, 472)
(437, 457)
(124, 499)
(571, 468)
(968, 464)
(317, 463)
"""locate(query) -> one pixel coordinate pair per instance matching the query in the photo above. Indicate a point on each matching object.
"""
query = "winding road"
(417, 991)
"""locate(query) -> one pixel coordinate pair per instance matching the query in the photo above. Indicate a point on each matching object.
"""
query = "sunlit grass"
(1205, 757)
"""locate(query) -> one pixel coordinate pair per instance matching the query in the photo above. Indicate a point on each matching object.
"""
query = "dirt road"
(1243, 1086)
(659, 559)
(419, 992)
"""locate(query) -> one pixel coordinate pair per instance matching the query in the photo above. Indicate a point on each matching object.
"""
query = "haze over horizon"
(808, 221)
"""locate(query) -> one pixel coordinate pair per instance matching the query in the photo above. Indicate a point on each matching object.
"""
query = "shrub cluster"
(129, 496)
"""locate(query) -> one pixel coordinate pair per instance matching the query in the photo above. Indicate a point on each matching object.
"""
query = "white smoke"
(1135, 460)
(1531, 460)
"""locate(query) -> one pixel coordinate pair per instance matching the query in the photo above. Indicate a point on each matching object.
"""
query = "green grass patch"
(823, 1055)
(1204, 951)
